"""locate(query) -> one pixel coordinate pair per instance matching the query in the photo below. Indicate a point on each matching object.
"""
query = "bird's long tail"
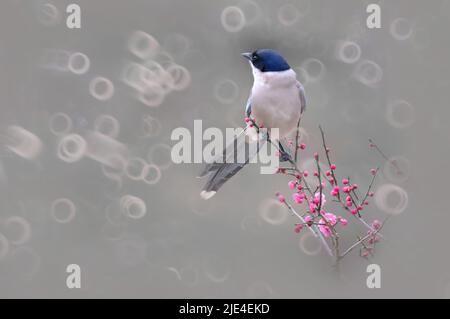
(234, 157)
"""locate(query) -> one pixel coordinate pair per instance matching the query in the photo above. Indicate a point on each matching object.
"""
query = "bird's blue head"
(267, 60)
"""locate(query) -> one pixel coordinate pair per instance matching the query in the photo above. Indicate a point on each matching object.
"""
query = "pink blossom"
(348, 199)
(292, 184)
(298, 198)
(331, 219)
(298, 228)
(312, 207)
(354, 211)
(308, 219)
(349, 204)
(302, 146)
(343, 221)
(373, 171)
(305, 173)
(316, 156)
(335, 191)
(328, 173)
(281, 198)
(344, 181)
(333, 167)
(346, 189)
(316, 199)
(376, 224)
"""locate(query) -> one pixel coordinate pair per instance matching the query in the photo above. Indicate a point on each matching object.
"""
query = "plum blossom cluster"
(328, 222)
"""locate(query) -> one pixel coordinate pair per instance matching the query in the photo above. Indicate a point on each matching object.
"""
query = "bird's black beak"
(247, 55)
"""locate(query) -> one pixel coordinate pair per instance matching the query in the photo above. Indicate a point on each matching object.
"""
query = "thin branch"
(363, 239)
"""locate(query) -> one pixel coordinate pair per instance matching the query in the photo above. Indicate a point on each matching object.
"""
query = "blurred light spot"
(18, 230)
(348, 52)
(180, 76)
(56, 59)
(309, 244)
(158, 75)
(143, 45)
(79, 63)
(391, 199)
(273, 212)
(71, 148)
(401, 29)
(101, 88)
(216, 268)
(60, 124)
(368, 73)
(152, 95)
(251, 10)
(135, 168)
(23, 142)
(104, 149)
(288, 14)
(314, 69)
(233, 19)
(133, 206)
(63, 210)
(107, 125)
(48, 14)
(116, 166)
(135, 75)
(400, 114)
(226, 91)
(152, 174)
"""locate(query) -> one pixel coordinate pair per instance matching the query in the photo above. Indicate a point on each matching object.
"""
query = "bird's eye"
(254, 57)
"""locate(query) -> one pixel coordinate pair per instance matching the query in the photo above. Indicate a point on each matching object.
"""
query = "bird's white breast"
(275, 100)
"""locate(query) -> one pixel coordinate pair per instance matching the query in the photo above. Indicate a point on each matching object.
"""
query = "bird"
(277, 100)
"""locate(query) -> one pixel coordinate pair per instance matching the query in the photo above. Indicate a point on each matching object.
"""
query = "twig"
(363, 239)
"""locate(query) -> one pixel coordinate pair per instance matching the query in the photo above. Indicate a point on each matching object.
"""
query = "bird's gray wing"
(226, 155)
(301, 92)
(248, 107)
(221, 171)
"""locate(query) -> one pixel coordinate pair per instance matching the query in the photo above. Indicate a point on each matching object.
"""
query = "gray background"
(183, 246)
